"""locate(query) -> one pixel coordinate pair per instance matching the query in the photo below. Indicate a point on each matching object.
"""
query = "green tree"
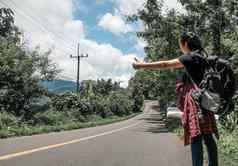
(161, 33)
(7, 27)
(17, 82)
(146, 82)
(44, 66)
(212, 19)
(20, 70)
(87, 90)
(101, 87)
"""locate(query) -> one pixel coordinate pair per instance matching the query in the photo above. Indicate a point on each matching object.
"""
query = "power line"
(47, 32)
(34, 18)
(42, 27)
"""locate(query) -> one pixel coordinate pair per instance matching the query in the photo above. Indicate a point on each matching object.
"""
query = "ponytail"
(203, 52)
(194, 42)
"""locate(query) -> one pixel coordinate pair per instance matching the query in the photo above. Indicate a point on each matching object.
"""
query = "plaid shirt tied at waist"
(193, 126)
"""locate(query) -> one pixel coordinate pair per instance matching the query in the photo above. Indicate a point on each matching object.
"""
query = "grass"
(26, 130)
(228, 148)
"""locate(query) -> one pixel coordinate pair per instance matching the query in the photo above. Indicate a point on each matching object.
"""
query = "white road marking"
(13, 155)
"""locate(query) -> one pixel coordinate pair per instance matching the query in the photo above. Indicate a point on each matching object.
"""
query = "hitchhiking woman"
(197, 128)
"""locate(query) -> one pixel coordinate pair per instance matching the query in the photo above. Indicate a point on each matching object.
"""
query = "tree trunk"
(216, 27)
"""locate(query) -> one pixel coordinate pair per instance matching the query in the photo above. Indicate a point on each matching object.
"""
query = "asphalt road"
(140, 141)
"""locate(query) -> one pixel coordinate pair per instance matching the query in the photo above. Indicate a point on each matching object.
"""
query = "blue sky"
(91, 12)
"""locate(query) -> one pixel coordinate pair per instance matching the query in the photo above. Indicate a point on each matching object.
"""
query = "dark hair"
(193, 41)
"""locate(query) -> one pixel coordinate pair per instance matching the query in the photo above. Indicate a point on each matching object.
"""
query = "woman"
(196, 128)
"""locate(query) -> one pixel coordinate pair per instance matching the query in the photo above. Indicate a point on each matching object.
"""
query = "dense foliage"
(92, 101)
(161, 33)
(18, 68)
(100, 87)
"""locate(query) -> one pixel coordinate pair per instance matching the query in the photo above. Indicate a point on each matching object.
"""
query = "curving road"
(140, 141)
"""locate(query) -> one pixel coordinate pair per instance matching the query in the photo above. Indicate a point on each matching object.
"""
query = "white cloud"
(50, 24)
(129, 7)
(169, 4)
(107, 60)
(114, 24)
(141, 44)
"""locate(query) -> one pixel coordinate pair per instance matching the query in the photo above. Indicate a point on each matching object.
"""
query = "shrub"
(230, 121)
(39, 104)
(65, 101)
(120, 104)
(51, 117)
(105, 111)
(7, 120)
(138, 103)
(117, 103)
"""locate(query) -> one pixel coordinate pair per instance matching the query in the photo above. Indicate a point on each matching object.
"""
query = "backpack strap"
(191, 79)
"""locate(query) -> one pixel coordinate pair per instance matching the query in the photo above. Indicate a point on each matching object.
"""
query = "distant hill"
(59, 85)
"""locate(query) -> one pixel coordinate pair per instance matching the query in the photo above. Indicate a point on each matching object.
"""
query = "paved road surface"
(141, 141)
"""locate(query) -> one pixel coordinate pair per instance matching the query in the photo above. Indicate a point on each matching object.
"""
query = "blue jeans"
(197, 150)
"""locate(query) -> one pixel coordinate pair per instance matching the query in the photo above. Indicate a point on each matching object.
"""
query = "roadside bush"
(65, 101)
(228, 146)
(105, 111)
(100, 105)
(120, 105)
(85, 107)
(68, 111)
(230, 121)
(39, 104)
(138, 102)
(77, 116)
(81, 108)
(7, 120)
(51, 118)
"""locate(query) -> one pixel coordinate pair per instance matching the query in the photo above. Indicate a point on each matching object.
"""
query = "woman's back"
(195, 65)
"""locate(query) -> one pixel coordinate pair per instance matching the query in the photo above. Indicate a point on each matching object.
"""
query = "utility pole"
(78, 66)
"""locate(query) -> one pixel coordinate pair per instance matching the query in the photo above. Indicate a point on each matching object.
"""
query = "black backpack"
(220, 79)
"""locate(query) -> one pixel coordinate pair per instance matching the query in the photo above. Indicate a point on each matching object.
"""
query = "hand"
(137, 64)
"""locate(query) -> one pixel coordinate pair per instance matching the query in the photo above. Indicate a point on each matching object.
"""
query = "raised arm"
(169, 64)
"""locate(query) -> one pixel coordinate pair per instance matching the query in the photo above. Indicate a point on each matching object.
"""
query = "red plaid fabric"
(193, 126)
